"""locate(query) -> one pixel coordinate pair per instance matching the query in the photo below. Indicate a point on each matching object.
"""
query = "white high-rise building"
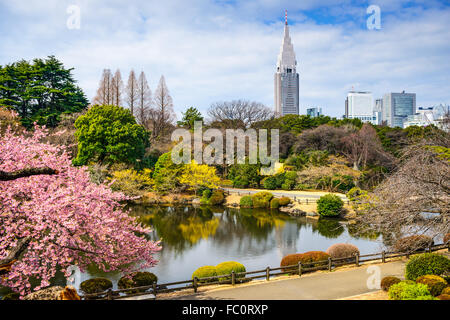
(286, 79)
(359, 105)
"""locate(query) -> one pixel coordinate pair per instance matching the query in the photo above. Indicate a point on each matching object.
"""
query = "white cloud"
(218, 51)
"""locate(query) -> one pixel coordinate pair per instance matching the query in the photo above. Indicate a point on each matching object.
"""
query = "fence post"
(233, 278)
(267, 273)
(299, 269)
(154, 288)
(357, 259)
(383, 256)
(329, 263)
(109, 294)
(195, 284)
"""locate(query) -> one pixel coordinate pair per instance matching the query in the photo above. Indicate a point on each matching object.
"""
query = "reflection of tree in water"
(329, 228)
(179, 227)
(362, 231)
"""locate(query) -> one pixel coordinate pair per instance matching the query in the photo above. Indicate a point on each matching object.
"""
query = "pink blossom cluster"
(68, 219)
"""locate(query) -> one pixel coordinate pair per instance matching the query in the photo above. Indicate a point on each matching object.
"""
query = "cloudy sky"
(220, 50)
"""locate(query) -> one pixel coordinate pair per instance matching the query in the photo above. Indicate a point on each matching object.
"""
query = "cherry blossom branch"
(7, 176)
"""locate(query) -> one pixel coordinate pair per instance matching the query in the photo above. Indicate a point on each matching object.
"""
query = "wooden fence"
(298, 199)
(150, 292)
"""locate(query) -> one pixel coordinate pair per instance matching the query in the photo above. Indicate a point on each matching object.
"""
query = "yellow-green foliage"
(199, 175)
(284, 201)
(205, 272)
(226, 268)
(262, 199)
(131, 182)
(246, 202)
(443, 153)
(434, 283)
(359, 199)
(274, 203)
(408, 290)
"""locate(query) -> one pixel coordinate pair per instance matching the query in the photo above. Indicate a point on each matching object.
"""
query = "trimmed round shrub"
(444, 297)
(426, 263)
(329, 205)
(205, 272)
(305, 258)
(270, 183)
(288, 185)
(274, 203)
(206, 193)
(227, 267)
(434, 283)
(446, 290)
(246, 202)
(342, 250)
(413, 243)
(447, 238)
(96, 285)
(426, 298)
(216, 198)
(137, 279)
(262, 199)
(387, 282)
(407, 290)
(284, 201)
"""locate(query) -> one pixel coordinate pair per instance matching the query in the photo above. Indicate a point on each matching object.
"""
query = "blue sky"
(220, 50)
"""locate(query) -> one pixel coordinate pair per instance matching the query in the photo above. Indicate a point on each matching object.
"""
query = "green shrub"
(206, 193)
(216, 198)
(413, 243)
(270, 183)
(227, 267)
(444, 297)
(305, 258)
(288, 185)
(284, 201)
(426, 298)
(262, 199)
(434, 283)
(205, 272)
(246, 202)
(342, 250)
(329, 205)
(274, 203)
(387, 282)
(290, 175)
(427, 263)
(137, 279)
(407, 290)
(96, 285)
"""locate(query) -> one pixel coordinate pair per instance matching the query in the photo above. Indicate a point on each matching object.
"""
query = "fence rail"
(240, 277)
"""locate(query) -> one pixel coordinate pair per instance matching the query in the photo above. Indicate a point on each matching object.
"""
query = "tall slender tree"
(117, 88)
(104, 91)
(144, 101)
(131, 92)
(162, 113)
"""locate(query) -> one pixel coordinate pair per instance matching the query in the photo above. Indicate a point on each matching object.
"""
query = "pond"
(193, 237)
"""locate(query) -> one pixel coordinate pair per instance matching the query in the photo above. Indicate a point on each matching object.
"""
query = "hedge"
(137, 279)
(284, 201)
(426, 263)
(305, 258)
(205, 272)
(329, 205)
(227, 267)
(342, 250)
(434, 283)
(387, 282)
(246, 202)
(95, 285)
(408, 290)
(262, 199)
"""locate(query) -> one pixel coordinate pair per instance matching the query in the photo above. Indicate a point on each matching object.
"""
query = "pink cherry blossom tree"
(52, 216)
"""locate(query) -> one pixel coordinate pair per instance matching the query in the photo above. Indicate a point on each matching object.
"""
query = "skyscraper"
(286, 78)
(359, 105)
(397, 107)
